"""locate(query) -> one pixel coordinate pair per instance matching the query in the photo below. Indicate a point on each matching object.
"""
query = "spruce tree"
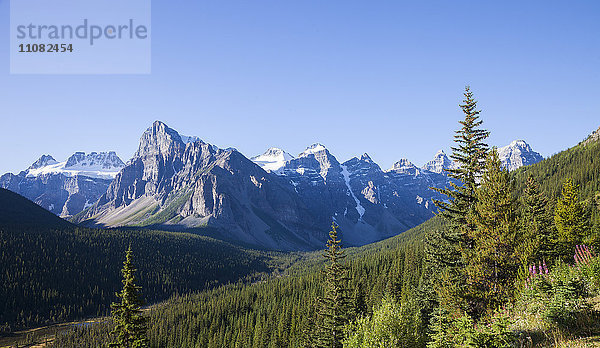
(571, 219)
(469, 153)
(446, 247)
(130, 326)
(336, 305)
(491, 263)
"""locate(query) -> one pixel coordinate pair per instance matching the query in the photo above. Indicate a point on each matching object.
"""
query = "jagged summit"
(273, 159)
(159, 139)
(403, 166)
(66, 188)
(365, 157)
(43, 161)
(439, 162)
(102, 165)
(517, 154)
(313, 149)
(105, 160)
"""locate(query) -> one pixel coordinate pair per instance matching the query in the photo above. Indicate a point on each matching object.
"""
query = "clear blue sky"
(379, 77)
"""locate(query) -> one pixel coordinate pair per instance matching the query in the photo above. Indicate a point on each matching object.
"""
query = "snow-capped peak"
(440, 162)
(517, 154)
(99, 160)
(404, 166)
(43, 161)
(104, 165)
(313, 149)
(518, 144)
(273, 159)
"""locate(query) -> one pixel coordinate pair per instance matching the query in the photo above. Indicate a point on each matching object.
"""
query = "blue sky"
(384, 78)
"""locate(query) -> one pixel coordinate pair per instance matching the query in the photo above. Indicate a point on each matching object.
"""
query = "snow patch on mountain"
(273, 160)
(101, 165)
(43, 161)
(359, 208)
(404, 166)
(313, 149)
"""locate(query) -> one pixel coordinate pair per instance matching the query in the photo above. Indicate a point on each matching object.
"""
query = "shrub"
(461, 331)
(391, 325)
(560, 296)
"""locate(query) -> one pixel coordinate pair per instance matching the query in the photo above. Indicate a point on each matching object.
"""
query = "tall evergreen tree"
(491, 264)
(335, 307)
(130, 325)
(571, 219)
(445, 247)
(537, 232)
(469, 154)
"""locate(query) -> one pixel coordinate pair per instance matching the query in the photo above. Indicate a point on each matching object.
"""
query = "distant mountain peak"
(159, 139)
(519, 143)
(273, 159)
(518, 154)
(103, 165)
(43, 161)
(440, 162)
(100, 160)
(313, 149)
(365, 157)
(403, 166)
(274, 151)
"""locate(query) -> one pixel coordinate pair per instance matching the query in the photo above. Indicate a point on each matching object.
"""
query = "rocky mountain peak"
(517, 154)
(274, 152)
(101, 160)
(366, 158)
(595, 136)
(313, 149)
(43, 161)
(159, 139)
(439, 162)
(273, 159)
(403, 166)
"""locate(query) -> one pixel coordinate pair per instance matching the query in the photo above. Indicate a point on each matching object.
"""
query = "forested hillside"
(53, 271)
(18, 211)
(580, 163)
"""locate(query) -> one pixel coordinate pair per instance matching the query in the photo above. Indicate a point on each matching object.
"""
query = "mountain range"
(65, 188)
(273, 201)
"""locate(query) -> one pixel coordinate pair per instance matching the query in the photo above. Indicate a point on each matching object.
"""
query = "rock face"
(595, 136)
(175, 185)
(65, 188)
(273, 201)
(518, 154)
(368, 203)
(195, 186)
(440, 162)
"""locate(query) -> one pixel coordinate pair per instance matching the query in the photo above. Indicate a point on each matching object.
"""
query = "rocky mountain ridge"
(65, 188)
(274, 201)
